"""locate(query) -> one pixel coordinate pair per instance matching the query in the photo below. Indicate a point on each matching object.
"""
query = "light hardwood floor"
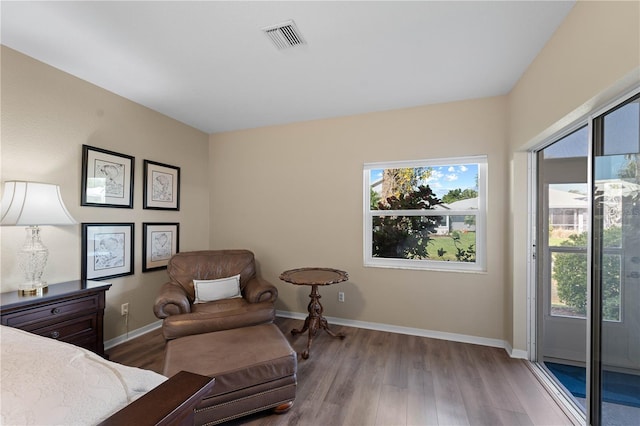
(379, 378)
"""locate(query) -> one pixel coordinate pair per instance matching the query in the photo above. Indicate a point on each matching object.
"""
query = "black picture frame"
(107, 178)
(107, 250)
(161, 188)
(160, 241)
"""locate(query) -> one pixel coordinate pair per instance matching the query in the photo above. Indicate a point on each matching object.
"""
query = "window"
(426, 214)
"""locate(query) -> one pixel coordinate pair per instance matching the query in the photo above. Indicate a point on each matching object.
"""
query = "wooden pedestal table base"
(314, 277)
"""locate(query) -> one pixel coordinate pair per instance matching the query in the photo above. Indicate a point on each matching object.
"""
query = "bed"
(47, 382)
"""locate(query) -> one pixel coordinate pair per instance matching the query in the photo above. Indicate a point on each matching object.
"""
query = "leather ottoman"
(254, 367)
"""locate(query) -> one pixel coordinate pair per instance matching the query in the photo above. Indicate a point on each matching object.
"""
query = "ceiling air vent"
(284, 35)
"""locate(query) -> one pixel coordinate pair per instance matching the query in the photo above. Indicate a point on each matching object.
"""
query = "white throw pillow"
(223, 288)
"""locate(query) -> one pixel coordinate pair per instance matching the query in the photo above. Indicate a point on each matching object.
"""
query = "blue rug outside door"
(619, 388)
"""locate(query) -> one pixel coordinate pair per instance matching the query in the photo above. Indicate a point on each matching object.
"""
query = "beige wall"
(597, 45)
(294, 194)
(592, 58)
(46, 117)
(298, 201)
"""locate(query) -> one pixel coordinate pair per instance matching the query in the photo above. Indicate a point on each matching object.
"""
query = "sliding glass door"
(563, 213)
(588, 264)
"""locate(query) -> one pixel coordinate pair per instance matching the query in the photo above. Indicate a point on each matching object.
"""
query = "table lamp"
(32, 204)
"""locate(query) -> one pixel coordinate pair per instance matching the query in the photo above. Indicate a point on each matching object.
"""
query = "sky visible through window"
(442, 178)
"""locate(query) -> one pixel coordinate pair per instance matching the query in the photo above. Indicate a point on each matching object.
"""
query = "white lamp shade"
(31, 203)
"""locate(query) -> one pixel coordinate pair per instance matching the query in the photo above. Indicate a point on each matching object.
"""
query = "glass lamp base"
(32, 259)
(33, 289)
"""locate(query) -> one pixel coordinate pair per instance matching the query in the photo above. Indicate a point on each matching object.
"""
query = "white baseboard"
(515, 353)
(454, 337)
(495, 343)
(132, 334)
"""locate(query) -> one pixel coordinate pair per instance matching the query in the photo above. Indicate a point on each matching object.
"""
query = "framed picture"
(161, 186)
(107, 250)
(107, 178)
(160, 241)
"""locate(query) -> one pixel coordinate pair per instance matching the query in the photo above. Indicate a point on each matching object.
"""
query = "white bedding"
(47, 382)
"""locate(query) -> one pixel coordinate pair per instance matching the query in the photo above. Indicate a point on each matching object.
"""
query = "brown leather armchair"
(175, 301)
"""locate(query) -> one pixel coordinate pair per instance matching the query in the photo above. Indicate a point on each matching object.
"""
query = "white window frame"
(480, 265)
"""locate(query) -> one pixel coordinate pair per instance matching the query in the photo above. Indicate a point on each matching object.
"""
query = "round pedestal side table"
(314, 277)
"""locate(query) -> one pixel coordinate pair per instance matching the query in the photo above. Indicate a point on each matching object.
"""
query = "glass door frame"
(535, 290)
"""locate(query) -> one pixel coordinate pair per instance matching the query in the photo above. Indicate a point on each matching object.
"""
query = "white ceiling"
(209, 65)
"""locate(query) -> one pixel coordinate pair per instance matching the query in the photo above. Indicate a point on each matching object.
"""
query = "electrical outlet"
(124, 309)
(341, 296)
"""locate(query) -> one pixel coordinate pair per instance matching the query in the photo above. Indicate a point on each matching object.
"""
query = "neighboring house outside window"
(568, 211)
(426, 214)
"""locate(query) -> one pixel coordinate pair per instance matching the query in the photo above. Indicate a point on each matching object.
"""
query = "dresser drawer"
(72, 312)
(72, 330)
(54, 312)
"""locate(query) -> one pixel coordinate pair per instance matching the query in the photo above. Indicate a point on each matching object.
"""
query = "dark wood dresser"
(72, 312)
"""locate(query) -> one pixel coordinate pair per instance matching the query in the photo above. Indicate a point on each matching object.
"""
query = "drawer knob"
(55, 311)
(55, 335)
